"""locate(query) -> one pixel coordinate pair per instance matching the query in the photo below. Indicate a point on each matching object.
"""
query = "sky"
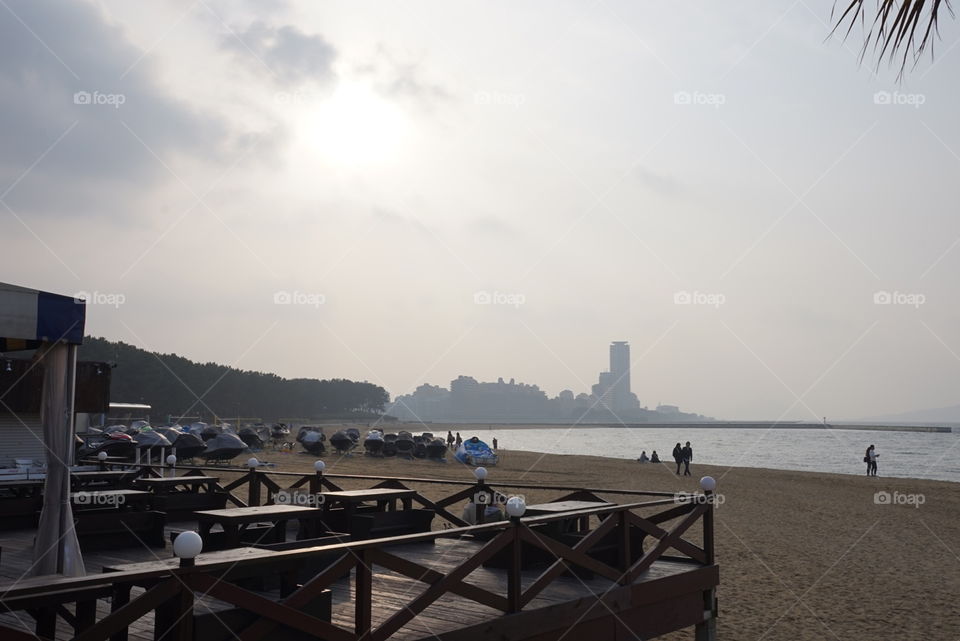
(409, 191)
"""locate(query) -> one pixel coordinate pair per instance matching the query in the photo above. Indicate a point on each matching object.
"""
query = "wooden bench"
(217, 540)
(376, 525)
(184, 503)
(101, 529)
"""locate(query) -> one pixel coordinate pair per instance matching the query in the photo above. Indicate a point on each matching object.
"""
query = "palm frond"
(900, 30)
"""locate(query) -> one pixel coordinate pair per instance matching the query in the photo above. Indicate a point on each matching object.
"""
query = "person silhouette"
(687, 456)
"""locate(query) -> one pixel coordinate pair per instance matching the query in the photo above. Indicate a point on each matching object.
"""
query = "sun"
(355, 126)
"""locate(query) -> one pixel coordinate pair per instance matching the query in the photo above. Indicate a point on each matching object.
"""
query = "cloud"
(663, 184)
(287, 54)
(402, 80)
(67, 90)
(491, 226)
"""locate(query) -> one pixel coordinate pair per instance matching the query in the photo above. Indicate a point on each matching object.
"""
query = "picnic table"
(106, 499)
(385, 497)
(113, 478)
(236, 520)
(22, 487)
(167, 485)
(347, 511)
(558, 507)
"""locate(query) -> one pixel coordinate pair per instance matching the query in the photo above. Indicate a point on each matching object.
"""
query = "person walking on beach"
(687, 455)
(459, 441)
(494, 444)
(870, 458)
(678, 456)
(449, 440)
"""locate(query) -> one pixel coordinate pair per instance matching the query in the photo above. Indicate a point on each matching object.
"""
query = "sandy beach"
(802, 555)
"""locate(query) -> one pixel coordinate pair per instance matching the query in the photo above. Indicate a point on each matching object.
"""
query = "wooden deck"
(392, 591)
(645, 594)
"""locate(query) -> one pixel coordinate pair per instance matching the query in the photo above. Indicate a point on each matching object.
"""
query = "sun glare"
(352, 127)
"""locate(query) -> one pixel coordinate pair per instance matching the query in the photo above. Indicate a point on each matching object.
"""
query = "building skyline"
(467, 399)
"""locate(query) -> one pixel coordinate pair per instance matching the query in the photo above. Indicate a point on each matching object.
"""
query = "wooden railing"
(170, 594)
(261, 485)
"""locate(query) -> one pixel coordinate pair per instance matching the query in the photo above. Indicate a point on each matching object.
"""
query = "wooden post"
(46, 622)
(707, 629)
(708, 528)
(479, 506)
(626, 556)
(253, 487)
(86, 615)
(514, 579)
(363, 595)
(121, 596)
(173, 621)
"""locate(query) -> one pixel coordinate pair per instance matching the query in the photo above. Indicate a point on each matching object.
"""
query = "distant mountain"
(949, 414)
(172, 385)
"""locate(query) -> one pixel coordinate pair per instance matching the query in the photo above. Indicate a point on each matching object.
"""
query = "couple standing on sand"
(683, 455)
(870, 458)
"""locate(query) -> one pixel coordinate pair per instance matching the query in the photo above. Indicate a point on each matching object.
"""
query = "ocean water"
(921, 455)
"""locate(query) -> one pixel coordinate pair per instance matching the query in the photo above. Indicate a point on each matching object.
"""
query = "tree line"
(176, 386)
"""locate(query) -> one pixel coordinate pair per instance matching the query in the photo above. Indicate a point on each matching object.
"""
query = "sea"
(920, 455)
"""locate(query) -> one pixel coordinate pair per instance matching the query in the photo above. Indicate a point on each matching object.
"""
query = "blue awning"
(29, 317)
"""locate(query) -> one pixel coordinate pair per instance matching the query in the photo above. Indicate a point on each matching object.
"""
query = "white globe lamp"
(253, 463)
(480, 473)
(319, 466)
(516, 507)
(708, 483)
(187, 546)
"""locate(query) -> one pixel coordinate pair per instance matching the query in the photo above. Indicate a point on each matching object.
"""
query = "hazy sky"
(376, 166)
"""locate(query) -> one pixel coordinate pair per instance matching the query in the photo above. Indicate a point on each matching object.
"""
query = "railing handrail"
(404, 479)
(36, 585)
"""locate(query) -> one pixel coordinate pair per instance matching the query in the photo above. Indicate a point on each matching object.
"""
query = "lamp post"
(479, 497)
(516, 506)
(316, 483)
(186, 547)
(253, 496)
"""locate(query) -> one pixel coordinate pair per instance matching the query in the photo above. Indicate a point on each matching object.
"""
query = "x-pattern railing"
(171, 593)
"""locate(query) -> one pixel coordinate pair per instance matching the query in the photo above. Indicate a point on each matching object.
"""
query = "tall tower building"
(622, 401)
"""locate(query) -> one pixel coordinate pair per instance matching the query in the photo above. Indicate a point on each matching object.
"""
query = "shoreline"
(759, 425)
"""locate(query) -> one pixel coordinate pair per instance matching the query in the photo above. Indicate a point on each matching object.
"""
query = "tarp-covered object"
(29, 317)
(473, 451)
(52, 324)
